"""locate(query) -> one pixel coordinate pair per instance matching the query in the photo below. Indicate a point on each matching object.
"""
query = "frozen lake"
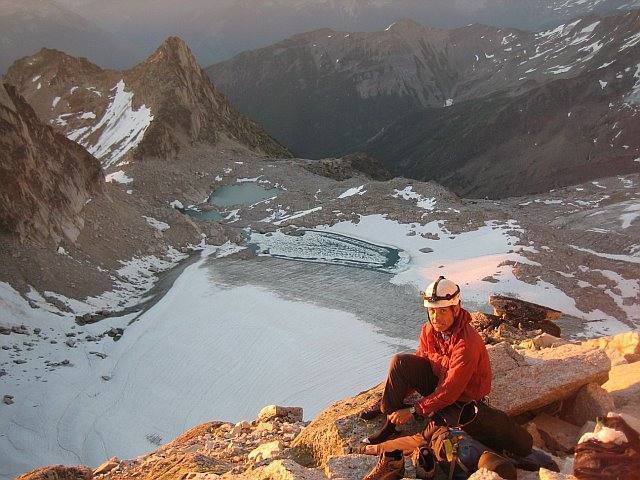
(245, 193)
(229, 337)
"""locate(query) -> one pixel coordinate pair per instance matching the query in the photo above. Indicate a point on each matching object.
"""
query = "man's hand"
(400, 417)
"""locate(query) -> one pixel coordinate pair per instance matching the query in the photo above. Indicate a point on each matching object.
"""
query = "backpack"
(459, 455)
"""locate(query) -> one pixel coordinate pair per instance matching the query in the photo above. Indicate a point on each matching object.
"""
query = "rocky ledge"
(555, 388)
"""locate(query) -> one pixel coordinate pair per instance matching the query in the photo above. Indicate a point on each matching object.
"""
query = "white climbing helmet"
(441, 293)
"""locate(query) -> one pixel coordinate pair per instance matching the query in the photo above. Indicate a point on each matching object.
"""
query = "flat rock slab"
(350, 467)
(624, 383)
(558, 435)
(356, 466)
(286, 470)
(533, 379)
(591, 402)
(516, 308)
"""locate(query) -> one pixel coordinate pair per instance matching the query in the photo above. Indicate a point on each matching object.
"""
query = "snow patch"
(118, 177)
(353, 191)
(632, 41)
(298, 214)
(632, 212)
(55, 102)
(157, 224)
(408, 194)
(121, 128)
(246, 180)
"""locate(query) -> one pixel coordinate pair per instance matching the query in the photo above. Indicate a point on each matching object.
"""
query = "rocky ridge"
(153, 110)
(47, 179)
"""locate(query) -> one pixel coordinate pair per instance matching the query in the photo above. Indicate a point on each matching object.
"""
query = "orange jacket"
(460, 362)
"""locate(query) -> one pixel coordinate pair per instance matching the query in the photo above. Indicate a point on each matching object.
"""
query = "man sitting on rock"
(450, 366)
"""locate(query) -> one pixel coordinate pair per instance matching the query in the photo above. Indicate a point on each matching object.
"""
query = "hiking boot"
(424, 463)
(387, 468)
(371, 412)
(499, 464)
(387, 432)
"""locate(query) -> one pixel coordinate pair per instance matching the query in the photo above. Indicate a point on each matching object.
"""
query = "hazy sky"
(129, 30)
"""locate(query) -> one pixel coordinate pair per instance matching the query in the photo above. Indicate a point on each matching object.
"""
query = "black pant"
(407, 372)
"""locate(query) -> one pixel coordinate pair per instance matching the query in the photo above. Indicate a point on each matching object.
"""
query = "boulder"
(533, 379)
(107, 466)
(516, 308)
(265, 451)
(348, 467)
(624, 383)
(338, 430)
(622, 346)
(285, 470)
(558, 435)
(544, 340)
(591, 402)
(291, 414)
(631, 414)
(58, 472)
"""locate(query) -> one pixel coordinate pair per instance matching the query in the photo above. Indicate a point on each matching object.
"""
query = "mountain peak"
(173, 50)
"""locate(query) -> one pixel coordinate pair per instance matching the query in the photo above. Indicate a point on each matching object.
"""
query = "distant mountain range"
(116, 33)
(28, 25)
(486, 111)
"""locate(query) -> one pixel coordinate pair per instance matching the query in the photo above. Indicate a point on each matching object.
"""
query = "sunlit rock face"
(46, 179)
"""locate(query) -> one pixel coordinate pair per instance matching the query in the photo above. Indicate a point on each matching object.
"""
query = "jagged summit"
(173, 50)
(161, 106)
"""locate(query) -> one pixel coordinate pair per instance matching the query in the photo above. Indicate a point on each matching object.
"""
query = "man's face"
(442, 318)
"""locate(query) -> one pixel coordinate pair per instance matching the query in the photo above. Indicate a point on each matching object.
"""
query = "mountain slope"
(327, 93)
(47, 179)
(155, 109)
(558, 134)
(28, 25)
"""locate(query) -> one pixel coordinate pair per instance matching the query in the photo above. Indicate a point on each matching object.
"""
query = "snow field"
(469, 257)
(199, 354)
(120, 129)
